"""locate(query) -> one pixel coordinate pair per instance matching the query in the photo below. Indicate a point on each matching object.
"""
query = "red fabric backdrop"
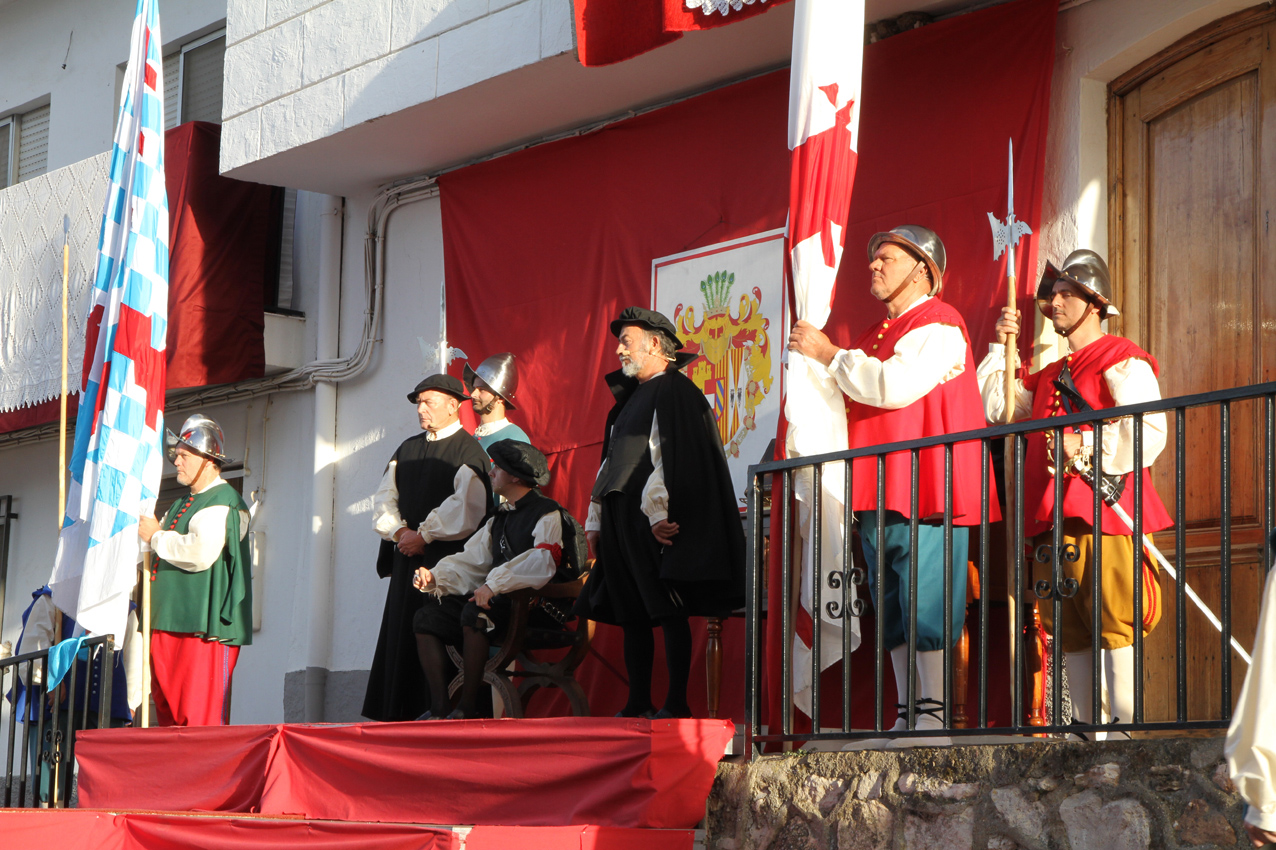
(224, 254)
(544, 247)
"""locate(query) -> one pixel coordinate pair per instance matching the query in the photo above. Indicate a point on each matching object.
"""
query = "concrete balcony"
(333, 96)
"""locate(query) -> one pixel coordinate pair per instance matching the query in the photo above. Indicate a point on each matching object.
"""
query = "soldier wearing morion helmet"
(908, 376)
(202, 599)
(1105, 371)
(492, 387)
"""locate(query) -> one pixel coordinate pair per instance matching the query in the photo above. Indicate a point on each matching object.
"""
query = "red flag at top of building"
(824, 108)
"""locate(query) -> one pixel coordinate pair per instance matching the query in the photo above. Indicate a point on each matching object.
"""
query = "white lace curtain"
(720, 6)
(31, 219)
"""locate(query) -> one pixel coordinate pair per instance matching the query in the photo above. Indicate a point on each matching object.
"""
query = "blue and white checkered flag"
(118, 457)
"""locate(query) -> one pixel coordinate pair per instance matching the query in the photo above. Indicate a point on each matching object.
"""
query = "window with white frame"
(193, 81)
(24, 145)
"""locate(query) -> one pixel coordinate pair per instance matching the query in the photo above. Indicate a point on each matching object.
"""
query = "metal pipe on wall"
(319, 554)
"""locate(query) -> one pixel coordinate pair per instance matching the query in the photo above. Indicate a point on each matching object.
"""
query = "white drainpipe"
(323, 508)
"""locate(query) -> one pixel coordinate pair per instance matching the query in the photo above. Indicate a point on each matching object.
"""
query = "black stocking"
(678, 657)
(640, 648)
(476, 654)
(435, 664)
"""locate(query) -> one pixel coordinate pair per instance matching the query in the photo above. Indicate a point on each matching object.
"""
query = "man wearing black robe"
(663, 520)
(435, 493)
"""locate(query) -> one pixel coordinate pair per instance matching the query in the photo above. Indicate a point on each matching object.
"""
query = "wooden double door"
(1192, 142)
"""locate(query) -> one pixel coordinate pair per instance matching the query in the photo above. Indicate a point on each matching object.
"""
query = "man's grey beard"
(630, 368)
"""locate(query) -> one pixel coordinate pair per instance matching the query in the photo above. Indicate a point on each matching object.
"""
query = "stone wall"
(1124, 795)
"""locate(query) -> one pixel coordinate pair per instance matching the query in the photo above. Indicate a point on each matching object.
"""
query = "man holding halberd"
(910, 376)
(1107, 371)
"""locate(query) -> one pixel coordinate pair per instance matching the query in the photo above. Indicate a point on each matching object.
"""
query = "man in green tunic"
(201, 599)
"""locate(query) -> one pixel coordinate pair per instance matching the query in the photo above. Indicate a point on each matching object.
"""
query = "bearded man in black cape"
(663, 520)
(434, 494)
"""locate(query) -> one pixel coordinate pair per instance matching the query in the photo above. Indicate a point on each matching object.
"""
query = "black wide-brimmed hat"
(522, 460)
(441, 383)
(644, 318)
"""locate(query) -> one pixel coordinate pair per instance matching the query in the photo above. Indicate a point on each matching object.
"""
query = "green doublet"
(216, 603)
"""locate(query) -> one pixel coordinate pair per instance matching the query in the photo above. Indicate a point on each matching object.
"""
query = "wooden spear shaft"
(146, 639)
(1008, 416)
(66, 274)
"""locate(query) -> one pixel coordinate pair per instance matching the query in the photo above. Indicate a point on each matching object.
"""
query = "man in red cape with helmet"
(911, 376)
(1107, 371)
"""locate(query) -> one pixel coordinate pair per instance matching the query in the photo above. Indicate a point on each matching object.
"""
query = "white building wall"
(303, 70)
(34, 40)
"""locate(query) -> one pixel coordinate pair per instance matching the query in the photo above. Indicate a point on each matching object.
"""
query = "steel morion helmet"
(1087, 270)
(499, 373)
(201, 435)
(921, 241)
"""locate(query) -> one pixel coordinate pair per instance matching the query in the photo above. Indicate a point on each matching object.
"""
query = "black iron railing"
(833, 599)
(39, 742)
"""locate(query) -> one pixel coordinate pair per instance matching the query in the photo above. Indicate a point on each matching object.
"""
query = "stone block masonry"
(1165, 794)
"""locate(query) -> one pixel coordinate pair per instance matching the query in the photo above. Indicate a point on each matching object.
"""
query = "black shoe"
(645, 713)
(668, 714)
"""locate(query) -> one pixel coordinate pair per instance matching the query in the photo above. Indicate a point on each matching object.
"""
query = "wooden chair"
(520, 638)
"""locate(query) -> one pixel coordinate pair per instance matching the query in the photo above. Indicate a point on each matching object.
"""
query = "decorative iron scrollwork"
(836, 610)
(51, 752)
(1067, 587)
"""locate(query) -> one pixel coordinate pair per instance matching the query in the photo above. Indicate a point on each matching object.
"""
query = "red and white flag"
(824, 109)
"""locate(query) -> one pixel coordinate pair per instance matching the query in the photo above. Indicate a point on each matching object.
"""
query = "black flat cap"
(644, 318)
(522, 460)
(442, 383)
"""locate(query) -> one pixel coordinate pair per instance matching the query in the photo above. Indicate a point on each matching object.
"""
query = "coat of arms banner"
(726, 301)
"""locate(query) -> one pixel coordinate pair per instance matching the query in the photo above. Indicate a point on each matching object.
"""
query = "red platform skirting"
(531, 772)
(104, 830)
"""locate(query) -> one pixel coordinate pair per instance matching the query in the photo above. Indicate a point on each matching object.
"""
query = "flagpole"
(66, 273)
(146, 639)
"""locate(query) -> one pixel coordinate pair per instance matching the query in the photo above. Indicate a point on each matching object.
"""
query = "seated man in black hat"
(435, 493)
(663, 520)
(521, 547)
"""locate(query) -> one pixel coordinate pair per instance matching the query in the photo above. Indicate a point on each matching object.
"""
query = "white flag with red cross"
(824, 108)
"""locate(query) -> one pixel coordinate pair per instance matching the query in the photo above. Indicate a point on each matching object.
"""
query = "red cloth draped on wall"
(224, 235)
(224, 255)
(610, 31)
(544, 247)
